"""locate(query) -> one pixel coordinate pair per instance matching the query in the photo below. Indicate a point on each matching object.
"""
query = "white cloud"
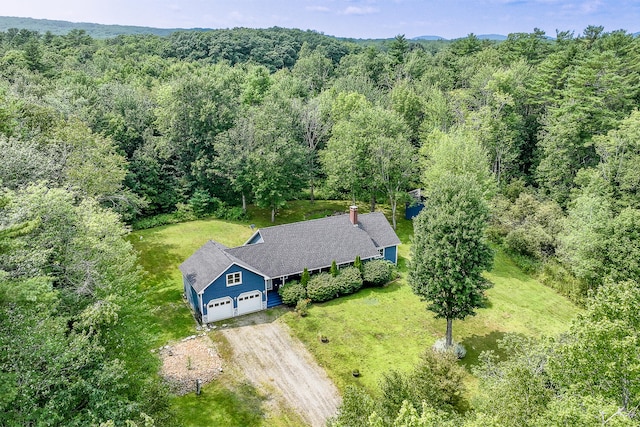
(323, 9)
(590, 6)
(355, 10)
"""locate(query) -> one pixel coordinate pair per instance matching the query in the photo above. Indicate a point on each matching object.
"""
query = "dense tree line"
(93, 132)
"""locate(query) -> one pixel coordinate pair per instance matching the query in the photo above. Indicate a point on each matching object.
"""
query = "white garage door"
(249, 302)
(218, 309)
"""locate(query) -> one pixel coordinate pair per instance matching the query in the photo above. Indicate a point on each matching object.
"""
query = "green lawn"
(373, 331)
(161, 251)
(388, 328)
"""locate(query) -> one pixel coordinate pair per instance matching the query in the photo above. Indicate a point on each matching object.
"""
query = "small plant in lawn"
(323, 338)
(302, 307)
(189, 363)
(355, 373)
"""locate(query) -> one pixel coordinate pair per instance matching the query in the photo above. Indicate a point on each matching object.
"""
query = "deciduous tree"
(449, 251)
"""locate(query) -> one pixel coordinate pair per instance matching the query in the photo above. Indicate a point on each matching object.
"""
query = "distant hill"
(494, 37)
(98, 31)
(103, 31)
(428, 38)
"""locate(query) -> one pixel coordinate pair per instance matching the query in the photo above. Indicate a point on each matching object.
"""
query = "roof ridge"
(315, 220)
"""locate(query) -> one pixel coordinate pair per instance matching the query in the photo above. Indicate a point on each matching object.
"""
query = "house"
(221, 282)
(413, 208)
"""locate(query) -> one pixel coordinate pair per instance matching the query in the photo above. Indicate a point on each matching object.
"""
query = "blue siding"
(412, 211)
(192, 296)
(390, 253)
(255, 239)
(218, 289)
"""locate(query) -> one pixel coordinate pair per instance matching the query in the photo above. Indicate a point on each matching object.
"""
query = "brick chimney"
(353, 215)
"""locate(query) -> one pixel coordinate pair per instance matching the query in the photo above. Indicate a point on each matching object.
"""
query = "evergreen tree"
(334, 268)
(358, 264)
(304, 279)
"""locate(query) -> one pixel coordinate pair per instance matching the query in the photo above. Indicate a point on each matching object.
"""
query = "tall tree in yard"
(449, 252)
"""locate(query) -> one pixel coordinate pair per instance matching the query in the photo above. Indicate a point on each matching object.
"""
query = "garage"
(218, 309)
(249, 302)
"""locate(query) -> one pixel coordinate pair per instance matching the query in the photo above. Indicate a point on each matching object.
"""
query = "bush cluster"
(184, 212)
(292, 292)
(377, 272)
(322, 287)
(348, 281)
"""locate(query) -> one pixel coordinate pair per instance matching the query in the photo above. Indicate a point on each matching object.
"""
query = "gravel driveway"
(273, 360)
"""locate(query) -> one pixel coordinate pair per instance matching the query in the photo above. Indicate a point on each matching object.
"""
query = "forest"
(98, 136)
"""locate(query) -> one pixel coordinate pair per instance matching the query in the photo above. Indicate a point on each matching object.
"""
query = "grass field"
(387, 328)
(373, 331)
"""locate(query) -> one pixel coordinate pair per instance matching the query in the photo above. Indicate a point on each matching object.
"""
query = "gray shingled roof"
(287, 249)
(379, 229)
(207, 263)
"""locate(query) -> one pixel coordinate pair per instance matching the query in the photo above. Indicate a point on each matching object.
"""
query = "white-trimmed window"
(234, 279)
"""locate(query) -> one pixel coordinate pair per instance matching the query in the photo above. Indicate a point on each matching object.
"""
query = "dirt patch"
(191, 359)
(282, 368)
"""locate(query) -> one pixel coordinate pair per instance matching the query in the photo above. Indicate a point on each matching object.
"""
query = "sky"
(346, 18)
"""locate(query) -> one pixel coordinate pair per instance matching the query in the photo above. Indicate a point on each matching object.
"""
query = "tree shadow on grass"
(476, 344)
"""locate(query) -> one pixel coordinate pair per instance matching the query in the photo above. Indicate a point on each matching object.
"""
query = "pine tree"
(334, 268)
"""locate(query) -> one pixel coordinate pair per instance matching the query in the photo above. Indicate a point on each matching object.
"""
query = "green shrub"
(322, 287)
(356, 408)
(556, 276)
(377, 272)
(302, 307)
(155, 221)
(233, 213)
(292, 292)
(184, 212)
(348, 281)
